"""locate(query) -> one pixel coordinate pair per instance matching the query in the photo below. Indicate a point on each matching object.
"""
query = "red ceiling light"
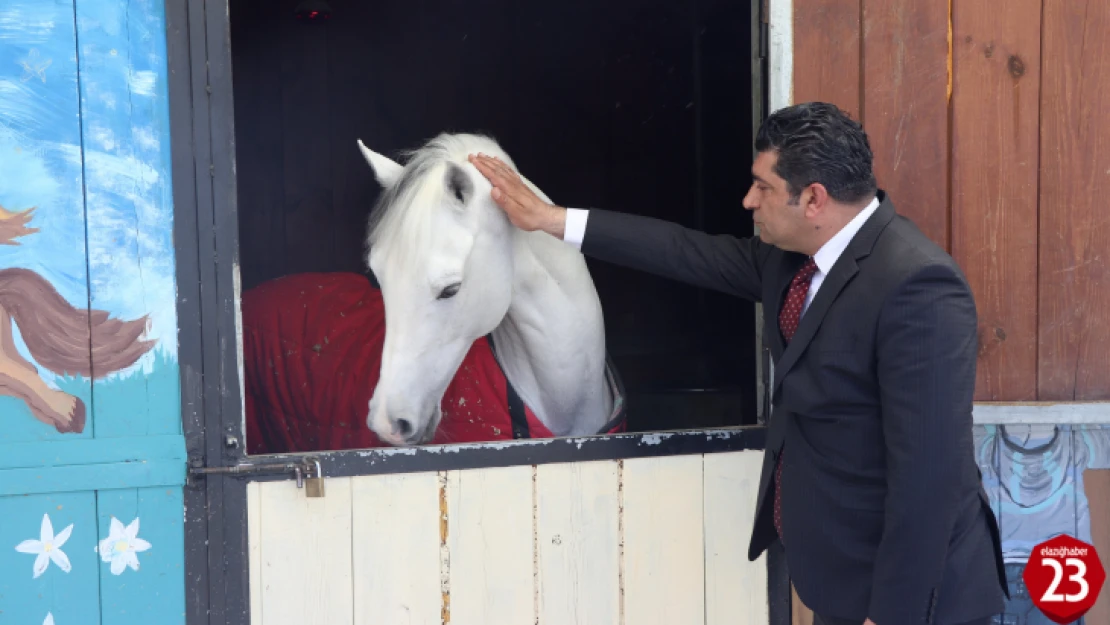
(312, 11)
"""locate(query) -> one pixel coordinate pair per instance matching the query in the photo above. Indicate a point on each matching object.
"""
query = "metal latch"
(308, 471)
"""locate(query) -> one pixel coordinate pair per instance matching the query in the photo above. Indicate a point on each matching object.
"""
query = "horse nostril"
(403, 427)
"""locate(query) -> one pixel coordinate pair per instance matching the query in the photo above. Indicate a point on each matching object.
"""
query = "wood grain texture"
(664, 541)
(396, 520)
(905, 107)
(735, 588)
(578, 543)
(651, 540)
(827, 53)
(489, 538)
(1074, 299)
(306, 555)
(994, 186)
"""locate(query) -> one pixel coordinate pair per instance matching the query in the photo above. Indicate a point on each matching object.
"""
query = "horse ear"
(386, 170)
(459, 185)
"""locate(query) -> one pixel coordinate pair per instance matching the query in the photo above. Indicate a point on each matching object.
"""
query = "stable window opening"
(633, 106)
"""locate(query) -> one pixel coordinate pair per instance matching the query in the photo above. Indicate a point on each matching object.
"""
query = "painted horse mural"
(58, 336)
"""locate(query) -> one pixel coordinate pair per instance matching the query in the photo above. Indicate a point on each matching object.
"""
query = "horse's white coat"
(438, 228)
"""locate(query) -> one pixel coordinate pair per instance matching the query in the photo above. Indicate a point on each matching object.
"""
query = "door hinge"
(307, 471)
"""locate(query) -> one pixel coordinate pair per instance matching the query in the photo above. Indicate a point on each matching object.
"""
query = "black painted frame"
(206, 243)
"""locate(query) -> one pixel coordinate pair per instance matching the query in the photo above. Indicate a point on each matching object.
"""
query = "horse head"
(442, 252)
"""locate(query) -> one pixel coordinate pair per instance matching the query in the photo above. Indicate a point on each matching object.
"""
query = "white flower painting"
(121, 545)
(48, 548)
(49, 619)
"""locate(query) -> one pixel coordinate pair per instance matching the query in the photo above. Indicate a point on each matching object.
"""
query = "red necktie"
(789, 317)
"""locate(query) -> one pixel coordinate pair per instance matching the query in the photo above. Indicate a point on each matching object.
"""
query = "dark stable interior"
(640, 106)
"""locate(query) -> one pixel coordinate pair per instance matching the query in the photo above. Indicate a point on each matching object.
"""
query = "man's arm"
(720, 262)
(927, 342)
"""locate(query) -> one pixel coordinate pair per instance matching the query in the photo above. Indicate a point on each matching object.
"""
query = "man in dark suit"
(869, 477)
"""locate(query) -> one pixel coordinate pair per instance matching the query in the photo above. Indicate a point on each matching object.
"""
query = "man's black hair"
(817, 142)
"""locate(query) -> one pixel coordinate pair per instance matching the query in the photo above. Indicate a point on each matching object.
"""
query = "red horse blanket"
(312, 346)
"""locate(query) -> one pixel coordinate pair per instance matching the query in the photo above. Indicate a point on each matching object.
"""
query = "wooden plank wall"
(645, 541)
(988, 127)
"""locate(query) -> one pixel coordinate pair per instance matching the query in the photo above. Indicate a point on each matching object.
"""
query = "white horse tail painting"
(58, 335)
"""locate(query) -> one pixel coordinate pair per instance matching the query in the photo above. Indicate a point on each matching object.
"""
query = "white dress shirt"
(825, 257)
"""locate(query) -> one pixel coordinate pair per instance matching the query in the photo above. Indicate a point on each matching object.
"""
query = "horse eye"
(449, 292)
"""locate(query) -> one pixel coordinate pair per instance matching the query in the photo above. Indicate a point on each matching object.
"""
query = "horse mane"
(400, 199)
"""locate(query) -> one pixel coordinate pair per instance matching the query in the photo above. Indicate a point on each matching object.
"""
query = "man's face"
(780, 222)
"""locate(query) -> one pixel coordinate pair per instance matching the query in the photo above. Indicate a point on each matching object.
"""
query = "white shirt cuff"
(575, 229)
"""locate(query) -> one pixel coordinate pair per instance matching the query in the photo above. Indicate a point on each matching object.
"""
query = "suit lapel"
(839, 276)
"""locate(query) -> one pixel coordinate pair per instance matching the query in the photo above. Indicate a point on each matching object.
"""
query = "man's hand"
(524, 208)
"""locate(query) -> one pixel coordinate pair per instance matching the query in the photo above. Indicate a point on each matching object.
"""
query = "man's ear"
(385, 170)
(814, 200)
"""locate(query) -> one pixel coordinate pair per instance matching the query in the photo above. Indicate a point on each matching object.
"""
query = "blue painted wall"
(91, 512)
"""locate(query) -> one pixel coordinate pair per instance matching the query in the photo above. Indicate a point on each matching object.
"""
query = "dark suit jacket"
(884, 512)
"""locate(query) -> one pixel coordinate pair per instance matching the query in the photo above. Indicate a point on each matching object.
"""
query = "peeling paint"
(535, 544)
(620, 539)
(237, 285)
(653, 438)
(444, 552)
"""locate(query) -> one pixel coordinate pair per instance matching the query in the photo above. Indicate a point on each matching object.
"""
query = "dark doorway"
(643, 106)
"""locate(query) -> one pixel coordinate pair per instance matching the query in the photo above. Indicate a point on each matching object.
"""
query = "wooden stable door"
(651, 540)
(92, 456)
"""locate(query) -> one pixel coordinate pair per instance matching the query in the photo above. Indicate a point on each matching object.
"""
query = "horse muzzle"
(402, 431)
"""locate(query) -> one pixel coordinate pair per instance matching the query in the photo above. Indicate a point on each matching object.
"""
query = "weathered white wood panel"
(732, 584)
(578, 541)
(305, 560)
(635, 542)
(489, 537)
(664, 541)
(396, 549)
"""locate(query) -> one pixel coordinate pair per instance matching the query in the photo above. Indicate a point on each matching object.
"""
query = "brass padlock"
(314, 485)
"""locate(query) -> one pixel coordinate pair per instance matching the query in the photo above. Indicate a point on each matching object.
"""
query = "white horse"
(452, 269)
